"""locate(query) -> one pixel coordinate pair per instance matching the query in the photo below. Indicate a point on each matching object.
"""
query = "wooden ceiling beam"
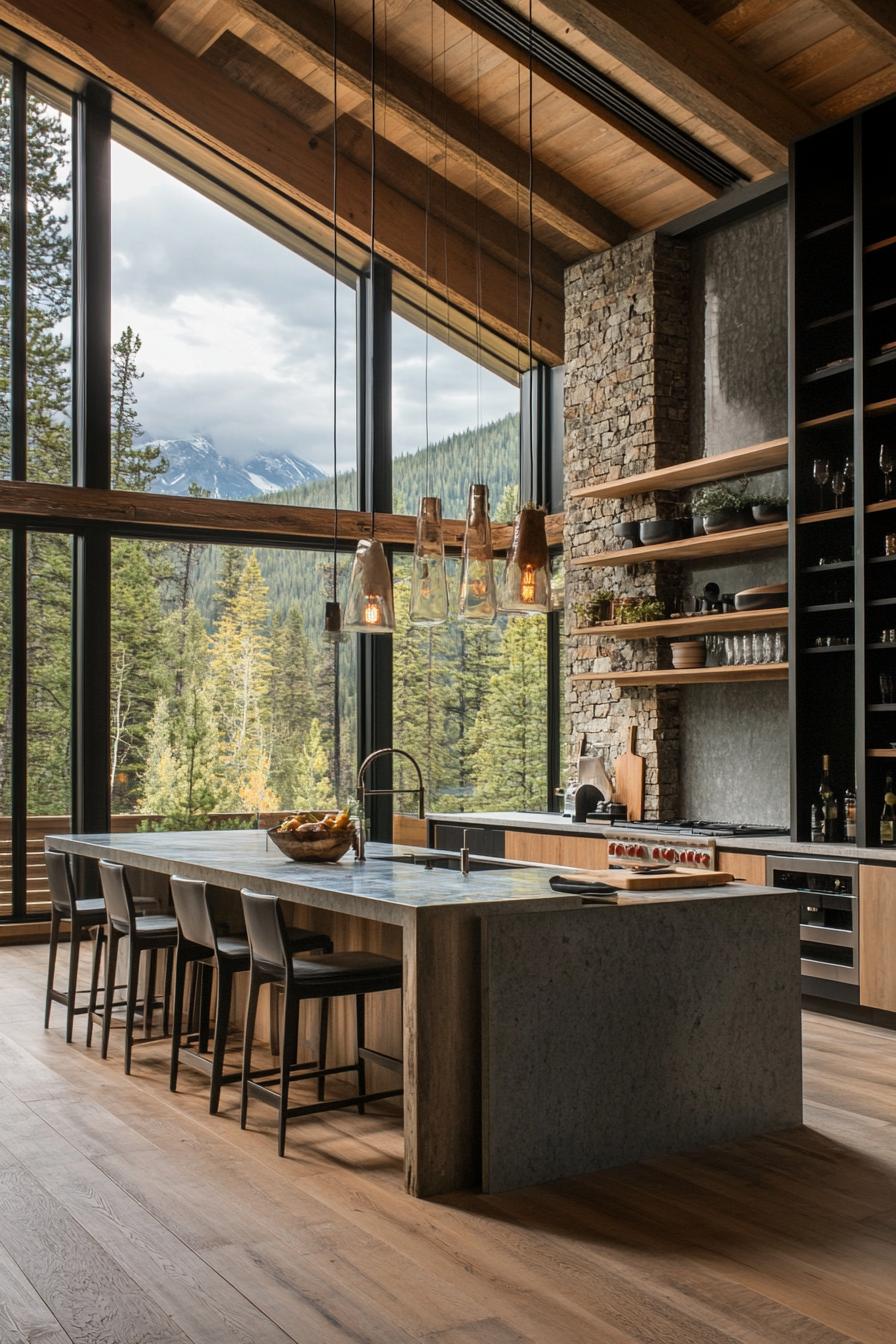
(283, 29)
(192, 24)
(116, 43)
(508, 47)
(395, 167)
(681, 57)
(875, 20)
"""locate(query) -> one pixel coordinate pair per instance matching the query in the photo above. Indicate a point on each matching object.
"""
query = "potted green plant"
(769, 508)
(597, 608)
(641, 609)
(721, 508)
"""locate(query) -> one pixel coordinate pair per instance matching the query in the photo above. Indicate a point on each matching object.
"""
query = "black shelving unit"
(842, 407)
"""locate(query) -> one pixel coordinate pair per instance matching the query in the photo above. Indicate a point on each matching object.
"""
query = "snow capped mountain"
(198, 460)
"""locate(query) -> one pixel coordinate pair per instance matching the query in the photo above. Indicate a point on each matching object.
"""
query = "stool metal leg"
(205, 1004)
(289, 1039)
(166, 992)
(180, 975)
(95, 979)
(55, 922)
(362, 1067)
(222, 1022)
(322, 1045)
(130, 1010)
(113, 938)
(149, 994)
(248, 1033)
(74, 952)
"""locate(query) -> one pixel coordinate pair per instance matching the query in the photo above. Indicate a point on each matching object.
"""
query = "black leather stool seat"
(156, 926)
(92, 910)
(346, 973)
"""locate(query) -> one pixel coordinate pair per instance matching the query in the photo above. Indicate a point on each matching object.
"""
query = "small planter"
(697, 528)
(769, 513)
(727, 520)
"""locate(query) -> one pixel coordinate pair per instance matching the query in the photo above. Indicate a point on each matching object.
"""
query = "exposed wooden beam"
(65, 505)
(282, 29)
(663, 43)
(497, 39)
(115, 42)
(395, 167)
(192, 24)
(874, 20)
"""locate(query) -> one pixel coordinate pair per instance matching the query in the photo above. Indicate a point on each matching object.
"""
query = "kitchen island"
(543, 1035)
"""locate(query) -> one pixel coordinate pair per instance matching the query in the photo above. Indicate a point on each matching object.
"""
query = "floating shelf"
(879, 645)
(886, 358)
(770, 618)
(833, 648)
(878, 407)
(830, 606)
(823, 569)
(882, 602)
(829, 319)
(817, 375)
(880, 244)
(882, 506)
(885, 752)
(828, 228)
(830, 419)
(881, 559)
(882, 709)
(766, 456)
(763, 537)
(827, 516)
(687, 676)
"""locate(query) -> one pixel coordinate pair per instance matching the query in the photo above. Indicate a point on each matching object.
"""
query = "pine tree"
(310, 785)
(510, 732)
(293, 699)
(139, 667)
(134, 467)
(419, 702)
(240, 685)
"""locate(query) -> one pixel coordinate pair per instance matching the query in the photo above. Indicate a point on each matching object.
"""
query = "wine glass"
(821, 474)
(838, 486)
(849, 474)
(887, 465)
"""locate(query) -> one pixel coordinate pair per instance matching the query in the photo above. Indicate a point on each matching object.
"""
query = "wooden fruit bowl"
(326, 850)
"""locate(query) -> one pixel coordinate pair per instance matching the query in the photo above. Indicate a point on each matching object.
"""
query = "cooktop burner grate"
(689, 826)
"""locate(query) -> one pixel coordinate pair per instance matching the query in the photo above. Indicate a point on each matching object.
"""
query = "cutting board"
(673, 879)
(630, 779)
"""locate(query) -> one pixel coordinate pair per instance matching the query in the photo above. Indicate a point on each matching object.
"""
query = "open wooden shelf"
(770, 618)
(830, 419)
(687, 676)
(882, 506)
(880, 244)
(815, 607)
(818, 375)
(827, 515)
(829, 319)
(888, 753)
(878, 407)
(763, 537)
(831, 648)
(766, 456)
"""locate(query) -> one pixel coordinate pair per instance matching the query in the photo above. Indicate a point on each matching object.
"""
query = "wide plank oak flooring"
(128, 1215)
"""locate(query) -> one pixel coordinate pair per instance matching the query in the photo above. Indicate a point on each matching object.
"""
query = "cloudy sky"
(237, 335)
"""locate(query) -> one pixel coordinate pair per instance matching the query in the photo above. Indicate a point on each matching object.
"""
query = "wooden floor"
(129, 1215)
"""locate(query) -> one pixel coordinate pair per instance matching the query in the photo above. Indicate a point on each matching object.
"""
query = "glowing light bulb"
(527, 584)
(373, 610)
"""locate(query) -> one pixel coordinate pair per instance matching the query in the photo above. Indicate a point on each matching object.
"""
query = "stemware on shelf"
(838, 487)
(821, 474)
(887, 466)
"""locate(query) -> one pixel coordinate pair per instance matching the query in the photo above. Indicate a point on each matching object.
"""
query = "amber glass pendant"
(478, 599)
(429, 586)
(369, 608)
(526, 583)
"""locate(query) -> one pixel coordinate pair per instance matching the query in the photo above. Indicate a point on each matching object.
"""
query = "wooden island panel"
(877, 937)
(569, 851)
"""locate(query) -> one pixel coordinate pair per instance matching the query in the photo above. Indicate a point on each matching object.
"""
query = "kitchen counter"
(543, 1035)
(553, 823)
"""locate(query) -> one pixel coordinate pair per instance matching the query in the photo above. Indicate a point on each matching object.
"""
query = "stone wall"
(626, 411)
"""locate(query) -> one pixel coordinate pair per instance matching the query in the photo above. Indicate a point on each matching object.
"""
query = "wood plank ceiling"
(738, 80)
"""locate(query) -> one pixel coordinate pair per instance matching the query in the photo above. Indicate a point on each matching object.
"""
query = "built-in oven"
(829, 921)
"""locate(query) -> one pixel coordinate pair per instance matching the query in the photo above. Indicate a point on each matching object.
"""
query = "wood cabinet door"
(748, 867)
(877, 937)
(565, 851)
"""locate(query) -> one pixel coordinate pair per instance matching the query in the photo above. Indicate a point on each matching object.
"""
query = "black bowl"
(769, 513)
(661, 529)
(628, 532)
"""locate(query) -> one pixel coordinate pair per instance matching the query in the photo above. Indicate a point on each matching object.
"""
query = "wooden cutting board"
(630, 779)
(673, 879)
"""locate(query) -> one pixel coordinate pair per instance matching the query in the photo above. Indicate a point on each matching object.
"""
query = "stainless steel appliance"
(633, 847)
(829, 921)
(694, 827)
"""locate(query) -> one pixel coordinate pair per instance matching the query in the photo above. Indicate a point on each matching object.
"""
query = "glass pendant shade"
(368, 608)
(526, 583)
(429, 586)
(478, 599)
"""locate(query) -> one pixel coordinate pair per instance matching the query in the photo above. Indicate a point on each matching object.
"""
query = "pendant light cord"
(335, 305)
(529, 316)
(371, 294)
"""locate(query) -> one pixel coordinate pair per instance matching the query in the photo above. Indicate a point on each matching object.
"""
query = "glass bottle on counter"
(888, 815)
(849, 815)
(827, 801)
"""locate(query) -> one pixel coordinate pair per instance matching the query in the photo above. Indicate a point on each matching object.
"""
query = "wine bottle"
(827, 800)
(849, 815)
(888, 815)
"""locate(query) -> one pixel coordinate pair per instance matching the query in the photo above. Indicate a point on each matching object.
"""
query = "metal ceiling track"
(605, 92)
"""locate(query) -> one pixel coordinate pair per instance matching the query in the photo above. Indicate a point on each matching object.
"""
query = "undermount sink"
(478, 862)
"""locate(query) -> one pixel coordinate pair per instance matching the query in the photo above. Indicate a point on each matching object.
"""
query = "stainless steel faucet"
(364, 793)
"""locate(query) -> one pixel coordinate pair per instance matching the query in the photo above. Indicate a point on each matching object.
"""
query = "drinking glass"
(821, 474)
(767, 656)
(886, 688)
(727, 651)
(838, 487)
(756, 648)
(887, 466)
(849, 474)
(780, 647)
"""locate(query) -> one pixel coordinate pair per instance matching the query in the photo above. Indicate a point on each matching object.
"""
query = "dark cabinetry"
(842, 436)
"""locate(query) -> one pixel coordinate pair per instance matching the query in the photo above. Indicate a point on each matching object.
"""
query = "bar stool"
(331, 976)
(85, 915)
(201, 945)
(145, 933)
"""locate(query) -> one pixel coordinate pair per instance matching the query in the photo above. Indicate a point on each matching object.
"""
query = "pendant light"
(333, 630)
(478, 599)
(429, 584)
(369, 608)
(526, 583)
(477, 595)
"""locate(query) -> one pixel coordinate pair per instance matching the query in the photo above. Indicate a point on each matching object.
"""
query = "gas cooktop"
(688, 826)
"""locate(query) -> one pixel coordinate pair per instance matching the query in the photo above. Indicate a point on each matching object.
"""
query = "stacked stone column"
(626, 411)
